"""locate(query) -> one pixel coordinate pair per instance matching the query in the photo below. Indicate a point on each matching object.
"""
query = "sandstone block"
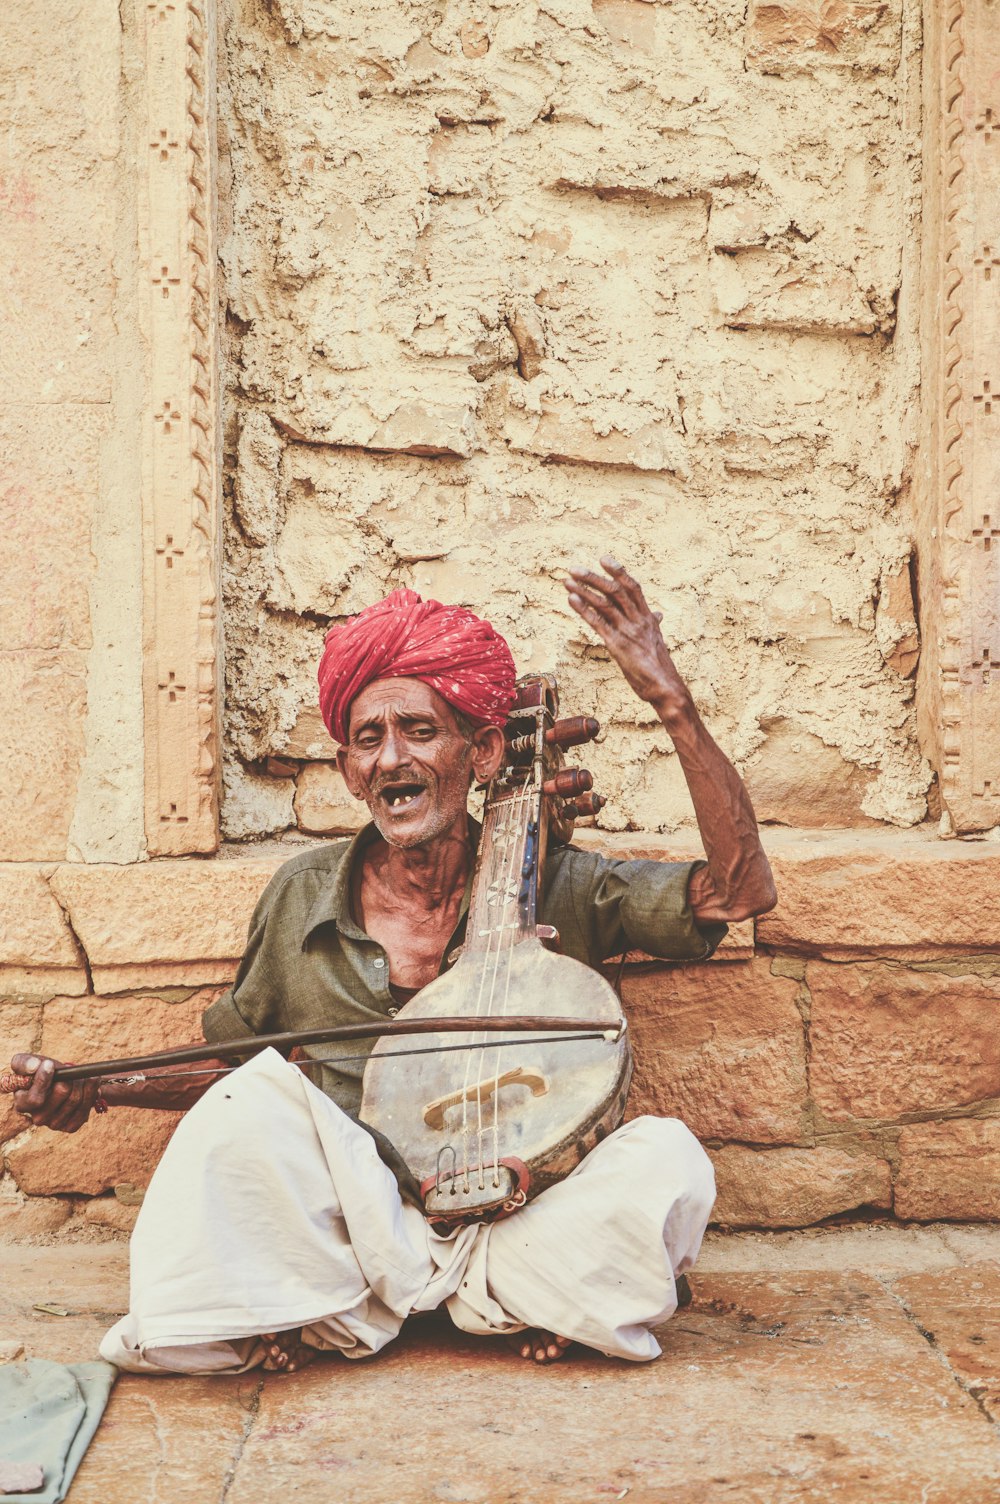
(254, 805)
(43, 693)
(893, 893)
(323, 805)
(721, 1048)
(35, 937)
(560, 433)
(796, 779)
(308, 739)
(121, 1146)
(949, 1171)
(895, 623)
(171, 921)
(790, 35)
(48, 486)
(887, 1041)
(795, 1187)
(775, 289)
(109, 1212)
(32, 1217)
(101, 1028)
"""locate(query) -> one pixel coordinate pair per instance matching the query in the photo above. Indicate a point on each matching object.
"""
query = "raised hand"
(614, 605)
(48, 1102)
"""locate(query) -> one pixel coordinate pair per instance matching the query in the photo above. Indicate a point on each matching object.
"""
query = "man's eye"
(423, 733)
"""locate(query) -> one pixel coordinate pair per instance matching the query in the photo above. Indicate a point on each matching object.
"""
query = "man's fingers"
(37, 1094)
(628, 583)
(599, 604)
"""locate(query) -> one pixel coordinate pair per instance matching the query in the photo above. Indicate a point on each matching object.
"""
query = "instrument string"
(526, 799)
(507, 890)
(498, 833)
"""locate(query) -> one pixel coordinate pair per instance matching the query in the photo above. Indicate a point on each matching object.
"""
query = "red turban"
(404, 637)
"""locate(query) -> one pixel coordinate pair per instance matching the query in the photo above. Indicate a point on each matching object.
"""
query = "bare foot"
(542, 1347)
(286, 1353)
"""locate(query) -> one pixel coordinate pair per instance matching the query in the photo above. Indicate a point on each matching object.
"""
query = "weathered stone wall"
(512, 286)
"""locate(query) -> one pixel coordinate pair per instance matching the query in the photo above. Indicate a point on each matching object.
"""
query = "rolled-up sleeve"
(609, 906)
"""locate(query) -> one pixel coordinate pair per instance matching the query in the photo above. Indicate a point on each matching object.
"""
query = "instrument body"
(485, 1134)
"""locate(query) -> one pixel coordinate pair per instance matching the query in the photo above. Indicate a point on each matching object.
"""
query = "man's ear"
(347, 773)
(487, 752)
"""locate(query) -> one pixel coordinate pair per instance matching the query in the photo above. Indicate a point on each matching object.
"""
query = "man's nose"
(393, 753)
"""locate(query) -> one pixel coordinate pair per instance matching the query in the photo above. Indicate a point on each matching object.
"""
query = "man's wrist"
(675, 707)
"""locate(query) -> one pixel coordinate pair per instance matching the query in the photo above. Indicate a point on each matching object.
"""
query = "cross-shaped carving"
(987, 260)
(168, 416)
(171, 688)
(164, 145)
(166, 281)
(986, 397)
(169, 553)
(172, 817)
(987, 532)
(988, 664)
(989, 126)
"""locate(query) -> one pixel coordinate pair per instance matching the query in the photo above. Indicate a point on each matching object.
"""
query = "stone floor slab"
(804, 1372)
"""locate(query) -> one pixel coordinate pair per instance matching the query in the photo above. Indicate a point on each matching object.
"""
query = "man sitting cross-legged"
(272, 1228)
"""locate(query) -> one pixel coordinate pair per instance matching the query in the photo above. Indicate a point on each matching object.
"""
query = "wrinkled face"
(411, 764)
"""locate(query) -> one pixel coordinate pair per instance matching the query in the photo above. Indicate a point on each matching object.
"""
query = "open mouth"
(399, 797)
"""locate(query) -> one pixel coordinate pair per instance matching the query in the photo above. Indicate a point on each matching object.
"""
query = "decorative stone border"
(960, 548)
(181, 431)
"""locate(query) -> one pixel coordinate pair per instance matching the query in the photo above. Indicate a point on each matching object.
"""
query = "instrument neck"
(505, 884)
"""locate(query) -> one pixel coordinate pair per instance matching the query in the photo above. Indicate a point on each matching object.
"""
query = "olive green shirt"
(309, 964)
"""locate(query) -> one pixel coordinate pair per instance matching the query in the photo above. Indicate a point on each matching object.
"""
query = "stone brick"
(254, 805)
(20, 1028)
(121, 1146)
(895, 622)
(44, 695)
(949, 1171)
(885, 1041)
(37, 952)
(778, 289)
(722, 1048)
(795, 1187)
(323, 805)
(32, 1217)
(788, 35)
(796, 779)
(308, 739)
(887, 892)
(163, 923)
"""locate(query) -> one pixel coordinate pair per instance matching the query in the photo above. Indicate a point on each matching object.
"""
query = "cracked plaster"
(508, 288)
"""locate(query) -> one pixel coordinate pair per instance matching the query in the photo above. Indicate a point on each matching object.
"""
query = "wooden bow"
(189, 1054)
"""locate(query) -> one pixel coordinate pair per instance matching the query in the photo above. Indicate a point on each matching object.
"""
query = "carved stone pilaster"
(180, 439)
(960, 547)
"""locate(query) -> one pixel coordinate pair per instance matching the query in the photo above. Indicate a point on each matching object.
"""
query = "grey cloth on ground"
(48, 1414)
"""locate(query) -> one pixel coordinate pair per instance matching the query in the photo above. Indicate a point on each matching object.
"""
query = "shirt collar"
(333, 903)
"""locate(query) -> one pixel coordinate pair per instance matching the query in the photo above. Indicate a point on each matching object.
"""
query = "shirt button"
(380, 961)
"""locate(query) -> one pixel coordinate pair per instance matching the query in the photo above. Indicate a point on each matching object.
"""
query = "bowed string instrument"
(541, 1067)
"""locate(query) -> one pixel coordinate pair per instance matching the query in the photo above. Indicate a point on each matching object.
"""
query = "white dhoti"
(271, 1210)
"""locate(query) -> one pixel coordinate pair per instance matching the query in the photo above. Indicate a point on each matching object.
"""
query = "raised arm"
(737, 881)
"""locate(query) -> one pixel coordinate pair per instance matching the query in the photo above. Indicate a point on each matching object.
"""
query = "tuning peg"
(572, 732)
(584, 807)
(569, 782)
